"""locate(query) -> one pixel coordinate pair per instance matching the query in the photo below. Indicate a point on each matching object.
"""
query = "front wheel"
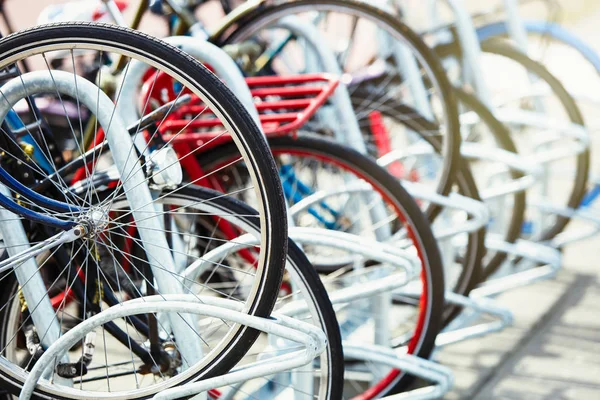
(77, 179)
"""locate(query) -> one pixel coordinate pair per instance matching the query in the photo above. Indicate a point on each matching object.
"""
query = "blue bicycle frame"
(15, 122)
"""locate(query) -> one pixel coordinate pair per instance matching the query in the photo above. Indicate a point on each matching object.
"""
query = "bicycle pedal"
(71, 370)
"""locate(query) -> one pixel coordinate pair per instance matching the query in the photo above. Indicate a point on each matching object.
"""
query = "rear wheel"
(312, 164)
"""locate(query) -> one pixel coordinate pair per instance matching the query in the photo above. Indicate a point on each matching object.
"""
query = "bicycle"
(56, 215)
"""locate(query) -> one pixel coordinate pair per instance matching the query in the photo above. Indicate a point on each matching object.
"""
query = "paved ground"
(551, 351)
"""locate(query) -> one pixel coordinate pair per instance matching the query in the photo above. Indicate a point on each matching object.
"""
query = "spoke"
(217, 264)
(180, 158)
(167, 193)
(64, 109)
(40, 302)
(161, 267)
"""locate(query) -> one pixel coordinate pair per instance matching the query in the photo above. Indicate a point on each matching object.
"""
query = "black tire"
(251, 143)
(241, 24)
(578, 191)
(297, 260)
(298, 267)
(503, 48)
(391, 189)
(471, 273)
(501, 136)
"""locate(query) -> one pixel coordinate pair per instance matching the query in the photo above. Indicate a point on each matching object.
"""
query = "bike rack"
(586, 214)
(388, 281)
(372, 249)
(441, 377)
(478, 302)
(312, 338)
(203, 51)
(510, 161)
(476, 306)
(476, 210)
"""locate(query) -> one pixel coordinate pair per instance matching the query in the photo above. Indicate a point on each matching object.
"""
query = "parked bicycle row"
(304, 201)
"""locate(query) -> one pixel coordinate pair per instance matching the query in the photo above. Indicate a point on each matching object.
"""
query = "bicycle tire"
(502, 138)
(297, 265)
(471, 273)
(503, 48)
(241, 126)
(364, 167)
(238, 26)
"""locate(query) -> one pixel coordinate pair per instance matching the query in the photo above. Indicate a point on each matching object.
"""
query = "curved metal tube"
(532, 172)
(372, 249)
(203, 51)
(310, 336)
(475, 209)
(441, 376)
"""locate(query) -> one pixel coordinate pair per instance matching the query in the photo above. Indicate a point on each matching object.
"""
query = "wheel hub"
(95, 220)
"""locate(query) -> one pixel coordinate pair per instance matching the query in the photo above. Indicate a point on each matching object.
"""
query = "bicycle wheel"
(484, 129)
(498, 136)
(311, 163)
(194, 210)
(551, 94)
(374, 50)
(464, 274)
(550, 44)
(76, 179)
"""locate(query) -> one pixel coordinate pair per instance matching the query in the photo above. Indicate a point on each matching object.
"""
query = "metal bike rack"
(510, 161)
(477, 304)
(479, 300)
(203, 51)
(476, 210)
(390, 279)
(441, 377)
(372, 249)
(65, 83)
(473, 208)
(311, 337)
(476, 307)
(586, 214)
